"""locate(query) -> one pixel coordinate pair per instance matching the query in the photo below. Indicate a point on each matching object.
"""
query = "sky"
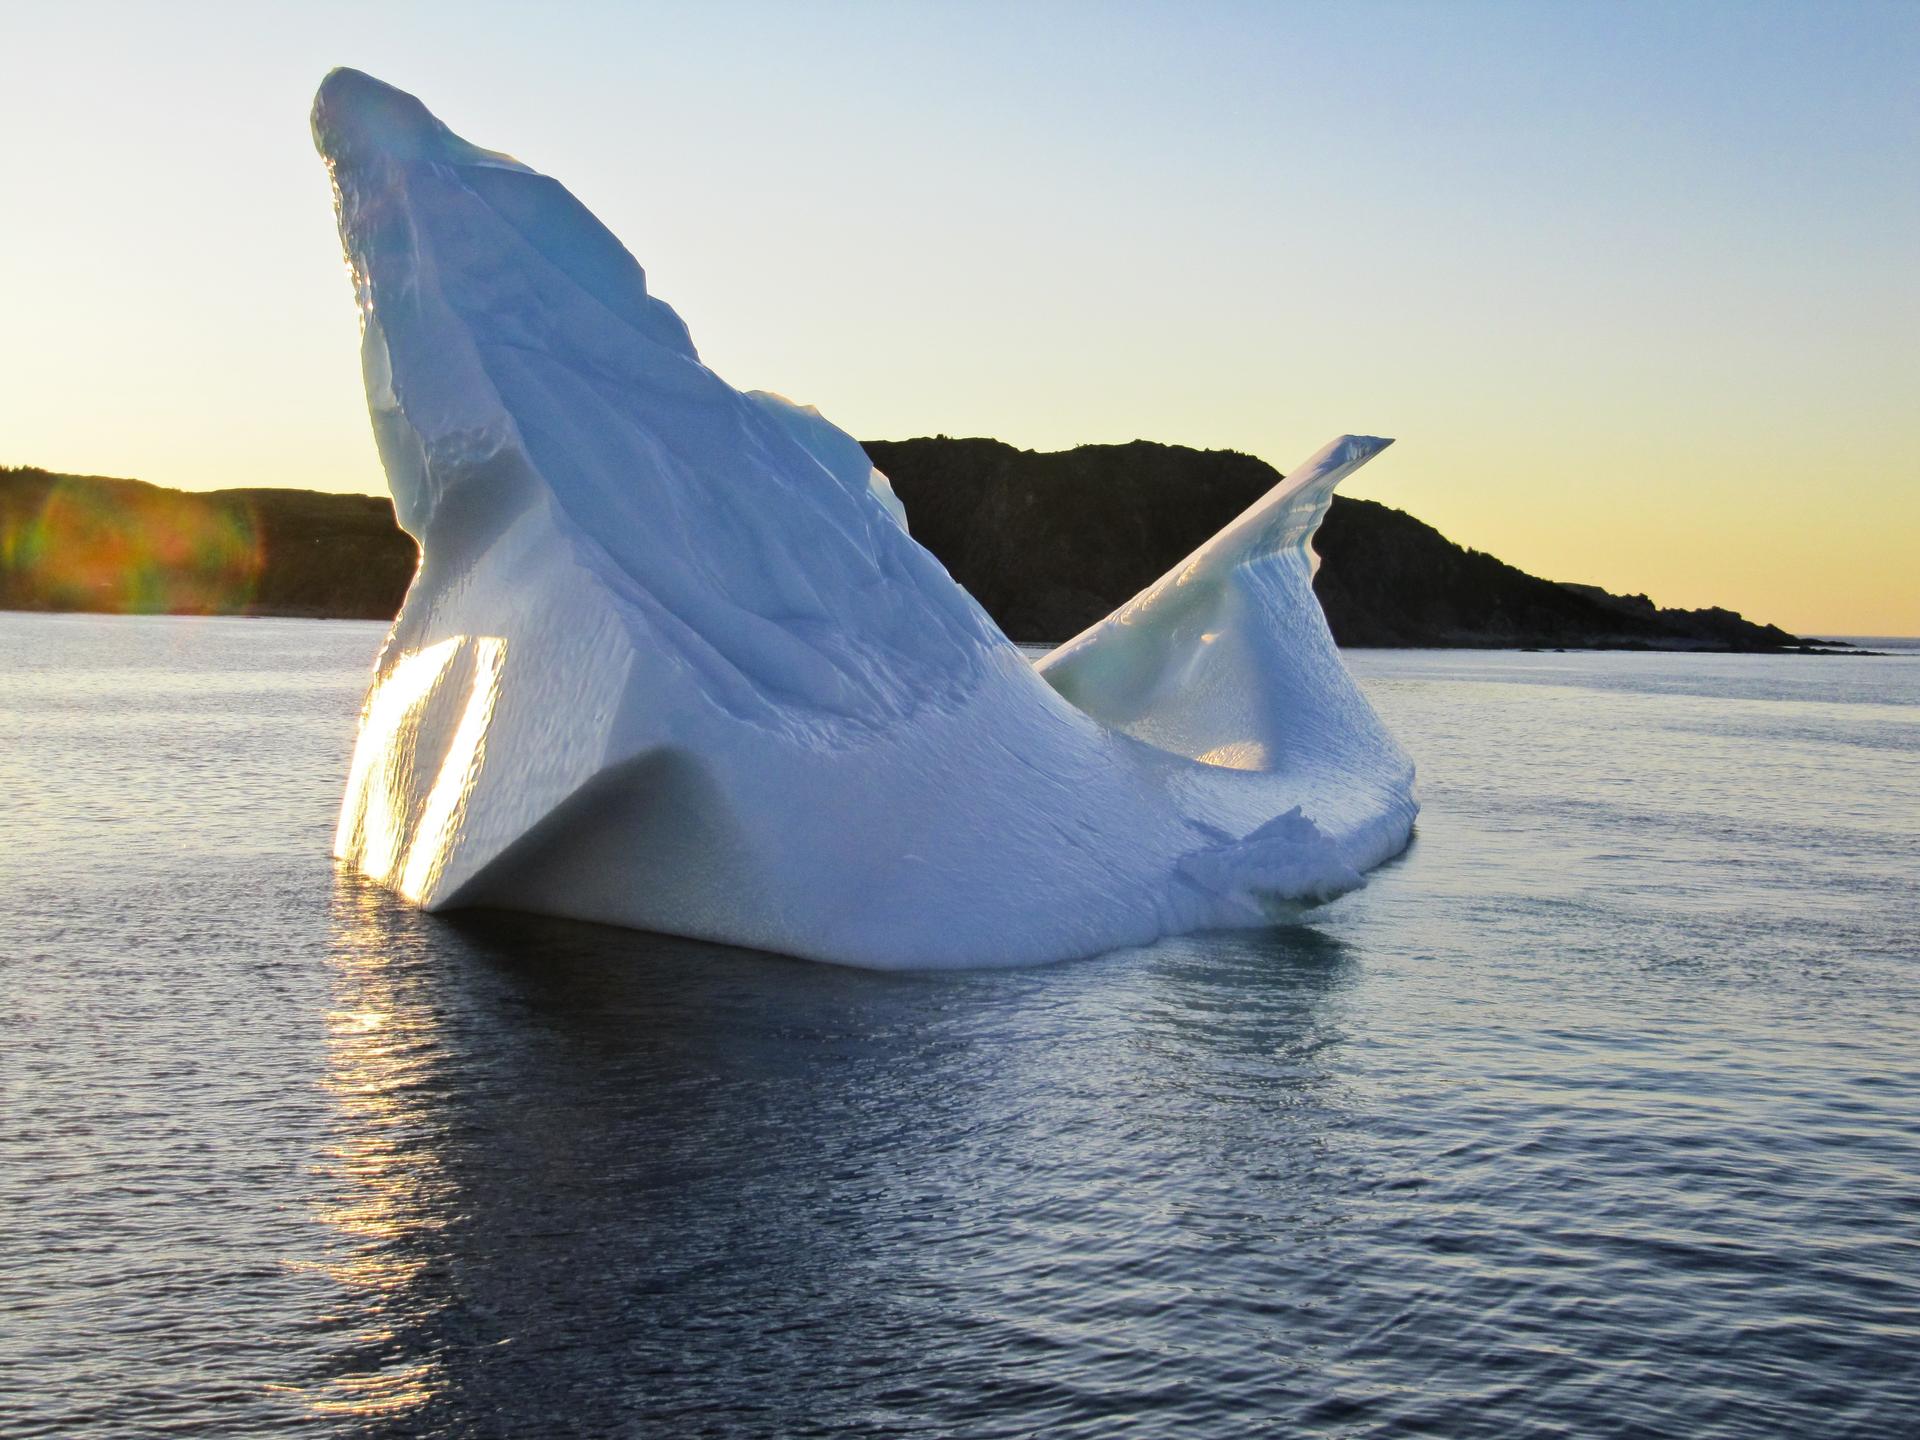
(1635, 286)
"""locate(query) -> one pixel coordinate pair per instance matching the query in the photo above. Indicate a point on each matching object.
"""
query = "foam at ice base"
(673, 660)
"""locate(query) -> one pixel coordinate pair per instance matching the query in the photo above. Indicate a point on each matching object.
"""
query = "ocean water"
(1596, 1114)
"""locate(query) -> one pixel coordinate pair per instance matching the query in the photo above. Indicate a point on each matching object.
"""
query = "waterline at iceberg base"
(673, 660)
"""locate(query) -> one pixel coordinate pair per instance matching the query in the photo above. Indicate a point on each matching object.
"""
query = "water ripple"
(1591, 1116)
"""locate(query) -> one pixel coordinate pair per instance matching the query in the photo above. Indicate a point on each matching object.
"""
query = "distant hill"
(1389, 579)
(1048, 543)
(87, 542)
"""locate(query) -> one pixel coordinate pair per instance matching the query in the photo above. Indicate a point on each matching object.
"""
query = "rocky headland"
(1048, 543)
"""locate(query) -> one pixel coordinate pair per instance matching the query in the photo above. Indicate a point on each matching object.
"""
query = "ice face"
(1175, 665)
(674, 661)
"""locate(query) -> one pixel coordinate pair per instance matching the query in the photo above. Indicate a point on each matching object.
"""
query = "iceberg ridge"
(673, 660)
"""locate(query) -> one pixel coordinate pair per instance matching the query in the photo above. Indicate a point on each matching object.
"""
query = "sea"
(1595, 1114)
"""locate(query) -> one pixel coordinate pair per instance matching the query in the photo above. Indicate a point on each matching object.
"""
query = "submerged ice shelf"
(673, 660)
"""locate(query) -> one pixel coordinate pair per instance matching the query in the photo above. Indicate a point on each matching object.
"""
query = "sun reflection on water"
(383, 1191)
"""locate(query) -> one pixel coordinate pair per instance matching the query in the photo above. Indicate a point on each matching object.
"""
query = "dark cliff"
(1049, 543)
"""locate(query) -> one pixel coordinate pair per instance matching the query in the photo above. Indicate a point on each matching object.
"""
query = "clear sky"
(1637, 286)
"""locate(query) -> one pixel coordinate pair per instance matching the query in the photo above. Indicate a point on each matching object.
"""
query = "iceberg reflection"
(599, 1182)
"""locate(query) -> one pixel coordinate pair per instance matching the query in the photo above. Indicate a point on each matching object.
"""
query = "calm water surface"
(1597, 1114)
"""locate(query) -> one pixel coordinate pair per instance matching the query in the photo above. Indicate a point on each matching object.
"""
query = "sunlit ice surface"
(674, 661)
(1590, 1115)
(437, 701)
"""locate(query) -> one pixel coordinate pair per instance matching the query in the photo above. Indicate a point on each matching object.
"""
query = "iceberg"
(674, 661)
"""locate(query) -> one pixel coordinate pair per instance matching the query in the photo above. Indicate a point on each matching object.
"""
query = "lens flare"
(127, 548)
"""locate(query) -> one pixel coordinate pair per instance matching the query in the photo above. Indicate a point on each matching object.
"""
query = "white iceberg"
(673, 661)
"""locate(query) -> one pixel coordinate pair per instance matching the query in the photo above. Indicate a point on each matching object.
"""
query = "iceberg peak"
(356, 117)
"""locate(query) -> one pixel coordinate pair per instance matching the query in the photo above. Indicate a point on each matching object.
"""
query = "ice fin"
(1226, 658)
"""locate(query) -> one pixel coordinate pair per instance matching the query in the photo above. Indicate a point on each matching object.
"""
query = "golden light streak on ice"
(405, 715)
(428, 853)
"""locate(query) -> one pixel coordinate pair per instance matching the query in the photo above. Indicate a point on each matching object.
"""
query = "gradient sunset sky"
(1636, 286)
